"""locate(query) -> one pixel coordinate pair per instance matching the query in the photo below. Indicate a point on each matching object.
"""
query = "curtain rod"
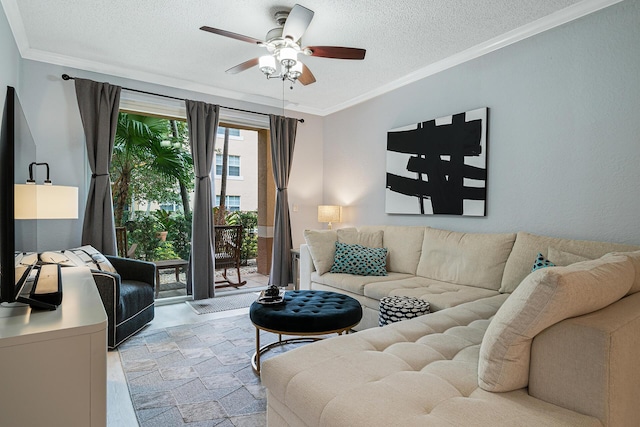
(68, 77)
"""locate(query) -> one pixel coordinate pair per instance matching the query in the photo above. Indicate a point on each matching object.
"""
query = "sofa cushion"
(439, 294)
(563, 258)
(635, 260)
(351, 236)
(546, 297)
(352, 283)
(322, 247)
(527, 245)
(359, 260)
(403, 243)
(471, 259)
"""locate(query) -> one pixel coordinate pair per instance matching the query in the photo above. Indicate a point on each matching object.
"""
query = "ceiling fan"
(284, 46)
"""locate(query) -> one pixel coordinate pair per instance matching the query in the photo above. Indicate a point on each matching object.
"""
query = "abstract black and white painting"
(439, 166)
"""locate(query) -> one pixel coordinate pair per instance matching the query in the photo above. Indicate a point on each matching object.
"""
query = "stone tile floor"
(196, 375)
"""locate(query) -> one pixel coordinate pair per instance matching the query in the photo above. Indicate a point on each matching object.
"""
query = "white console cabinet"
(53, 364)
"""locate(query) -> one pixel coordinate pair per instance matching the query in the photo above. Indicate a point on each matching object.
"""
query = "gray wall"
(564, 133)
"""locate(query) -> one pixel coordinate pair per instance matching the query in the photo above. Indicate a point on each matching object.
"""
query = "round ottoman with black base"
(395, 309)
(303, 313)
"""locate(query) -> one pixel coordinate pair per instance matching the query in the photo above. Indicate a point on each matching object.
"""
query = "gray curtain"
(202, 120)
(283, 138)
(99, 104)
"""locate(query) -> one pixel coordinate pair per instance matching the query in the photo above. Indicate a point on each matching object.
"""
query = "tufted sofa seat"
(419, 372)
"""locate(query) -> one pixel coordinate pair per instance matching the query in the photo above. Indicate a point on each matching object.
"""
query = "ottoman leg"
(257, 355)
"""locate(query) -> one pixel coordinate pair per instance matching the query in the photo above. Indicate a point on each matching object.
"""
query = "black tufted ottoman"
(303, 313)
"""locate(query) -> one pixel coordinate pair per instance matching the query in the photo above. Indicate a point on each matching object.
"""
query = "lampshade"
(45, 202)
(295, 71)
(329, 213)
(287, 56)
(267, 64)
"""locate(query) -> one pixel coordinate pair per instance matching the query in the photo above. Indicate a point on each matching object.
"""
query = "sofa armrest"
(108, 285)
(589, 363)
(134, 269)
(306, 267)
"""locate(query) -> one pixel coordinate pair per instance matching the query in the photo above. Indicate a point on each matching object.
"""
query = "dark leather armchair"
(128, 297)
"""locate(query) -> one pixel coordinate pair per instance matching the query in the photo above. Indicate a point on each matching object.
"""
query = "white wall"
(564, 134)
(305, 181)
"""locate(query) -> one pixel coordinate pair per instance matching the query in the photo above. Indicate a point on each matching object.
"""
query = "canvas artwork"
(439, 166)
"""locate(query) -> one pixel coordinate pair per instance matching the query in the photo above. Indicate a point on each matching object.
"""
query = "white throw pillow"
(635, 259)
(322, 247)
(85, 256)
(544, 298)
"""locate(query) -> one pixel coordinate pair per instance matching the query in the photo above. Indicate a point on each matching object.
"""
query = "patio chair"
(228, 243)
(124, 251)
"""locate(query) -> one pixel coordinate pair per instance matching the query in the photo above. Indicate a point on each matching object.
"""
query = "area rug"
(197, 375)
(223, 303)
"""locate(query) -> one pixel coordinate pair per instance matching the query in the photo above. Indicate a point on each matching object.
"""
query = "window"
(233, 165)
(232, 131)
(169, 207)
(232, 203)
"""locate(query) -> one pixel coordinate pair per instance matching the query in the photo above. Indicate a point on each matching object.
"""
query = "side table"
(167, 264)
(295, 268)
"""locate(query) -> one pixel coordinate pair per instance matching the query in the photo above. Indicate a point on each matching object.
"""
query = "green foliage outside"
(151, 163)
(143, 231)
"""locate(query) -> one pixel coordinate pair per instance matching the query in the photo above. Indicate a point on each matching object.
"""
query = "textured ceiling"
(159, 41)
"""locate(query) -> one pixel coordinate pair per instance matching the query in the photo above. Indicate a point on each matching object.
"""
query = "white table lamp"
(329, 214)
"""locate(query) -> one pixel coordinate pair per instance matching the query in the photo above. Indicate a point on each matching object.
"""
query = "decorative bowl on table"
(271, 295)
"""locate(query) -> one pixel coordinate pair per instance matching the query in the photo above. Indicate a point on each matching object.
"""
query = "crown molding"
(541, 25)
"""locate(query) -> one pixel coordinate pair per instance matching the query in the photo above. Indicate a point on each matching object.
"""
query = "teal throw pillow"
(541, 262)
(359, 260)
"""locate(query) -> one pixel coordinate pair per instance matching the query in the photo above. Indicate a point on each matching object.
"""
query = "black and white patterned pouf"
(395, 309)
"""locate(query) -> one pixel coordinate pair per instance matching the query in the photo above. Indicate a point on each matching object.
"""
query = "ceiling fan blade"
(297, 22)
(231, 35)
(244, 66)
(337, 52)
(307, 77)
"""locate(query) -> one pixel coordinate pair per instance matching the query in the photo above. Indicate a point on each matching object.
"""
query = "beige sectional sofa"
(504, 346)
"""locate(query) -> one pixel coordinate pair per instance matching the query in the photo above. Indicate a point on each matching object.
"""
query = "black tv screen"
(7, 222)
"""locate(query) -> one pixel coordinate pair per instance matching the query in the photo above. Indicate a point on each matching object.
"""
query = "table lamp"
(45, 201)
(329, 214)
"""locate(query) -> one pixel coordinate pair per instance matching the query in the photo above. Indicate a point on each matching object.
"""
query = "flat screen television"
(15, 267)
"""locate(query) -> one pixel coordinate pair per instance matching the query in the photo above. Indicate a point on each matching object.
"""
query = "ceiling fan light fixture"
(295, 71)
(287, 56)
(267, 64)
(284, 43)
